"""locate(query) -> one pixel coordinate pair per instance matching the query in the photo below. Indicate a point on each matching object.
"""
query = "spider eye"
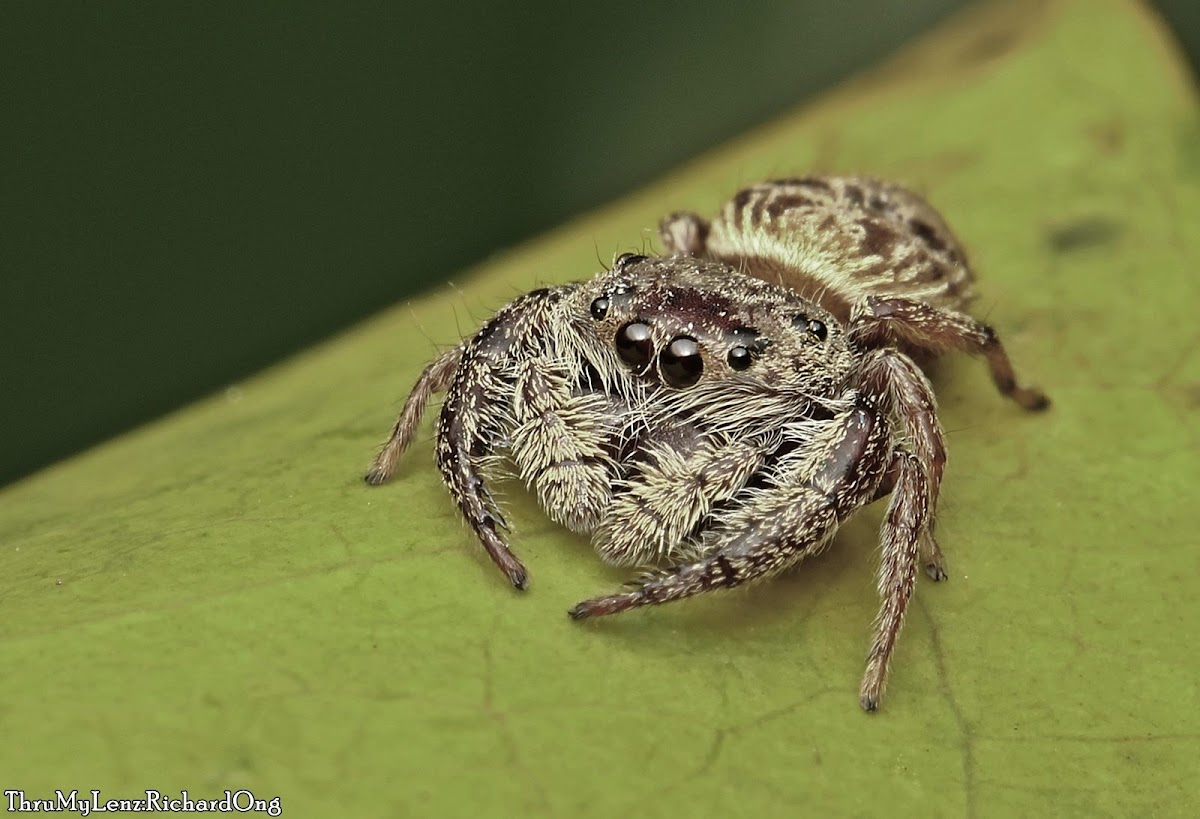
(634, 344)
(680, 363)
(802, 322)
(626, 259)
(739, 357)
(600, 307)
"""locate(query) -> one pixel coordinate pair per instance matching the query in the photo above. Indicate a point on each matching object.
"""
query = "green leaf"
(217, 601)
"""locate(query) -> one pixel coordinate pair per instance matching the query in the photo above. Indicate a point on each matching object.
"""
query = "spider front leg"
(477, 415)
(435, 378)
(467, 427)
(815, 484)
(796, 522)
(880, 321)
(822, 480)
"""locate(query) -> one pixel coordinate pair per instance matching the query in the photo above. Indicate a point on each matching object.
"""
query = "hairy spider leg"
(879, 322)
(560, 442)
(780, 528)
(774, 530)
(900, 537)
(434, 378)
(477, 413)
(668, 495)
(906, 394)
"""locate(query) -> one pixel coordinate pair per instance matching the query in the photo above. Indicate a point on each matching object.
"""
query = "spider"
(723, 408)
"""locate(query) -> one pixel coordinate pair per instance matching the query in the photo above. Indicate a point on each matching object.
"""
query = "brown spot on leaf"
(1191, 396)
(1108, 136)
(987, 47)
(1083, 233)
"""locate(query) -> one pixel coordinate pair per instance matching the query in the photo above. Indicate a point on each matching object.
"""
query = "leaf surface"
(217, 601)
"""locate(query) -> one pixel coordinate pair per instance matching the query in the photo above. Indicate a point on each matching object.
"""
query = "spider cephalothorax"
(689, 411)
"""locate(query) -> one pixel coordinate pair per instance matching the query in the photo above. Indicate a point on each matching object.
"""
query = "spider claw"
(518, 577)
(513, 569)
(1032, 399)
(603, 606)
(936, 572)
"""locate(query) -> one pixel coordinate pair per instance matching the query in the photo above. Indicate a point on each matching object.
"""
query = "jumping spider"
(724, 408)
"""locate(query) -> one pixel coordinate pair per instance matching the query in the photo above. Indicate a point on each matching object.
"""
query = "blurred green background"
(189, 194)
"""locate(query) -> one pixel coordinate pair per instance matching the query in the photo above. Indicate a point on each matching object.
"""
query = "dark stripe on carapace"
(854, 195)
(927, 273)
(740, 200)
(812, 182)
(704, 308)
(783, 203)
(878, 238)
(927, 234)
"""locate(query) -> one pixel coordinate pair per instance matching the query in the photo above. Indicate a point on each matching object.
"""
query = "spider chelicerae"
(721, 409)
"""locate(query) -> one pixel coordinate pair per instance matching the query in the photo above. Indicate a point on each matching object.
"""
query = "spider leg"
(683, 234)
(465, 430)
(476, 415)
(906, 393)
(669, 495)
(931, 552)
(900, 538)
(560, 444)
(880, 321)
(798, 525)
(434, 378)
(779, 527)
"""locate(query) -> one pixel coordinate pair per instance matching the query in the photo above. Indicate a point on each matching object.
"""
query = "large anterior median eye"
(680, 362)
(634, 345)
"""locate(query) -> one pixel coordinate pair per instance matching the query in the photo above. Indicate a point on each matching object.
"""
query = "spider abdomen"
(835, 240)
